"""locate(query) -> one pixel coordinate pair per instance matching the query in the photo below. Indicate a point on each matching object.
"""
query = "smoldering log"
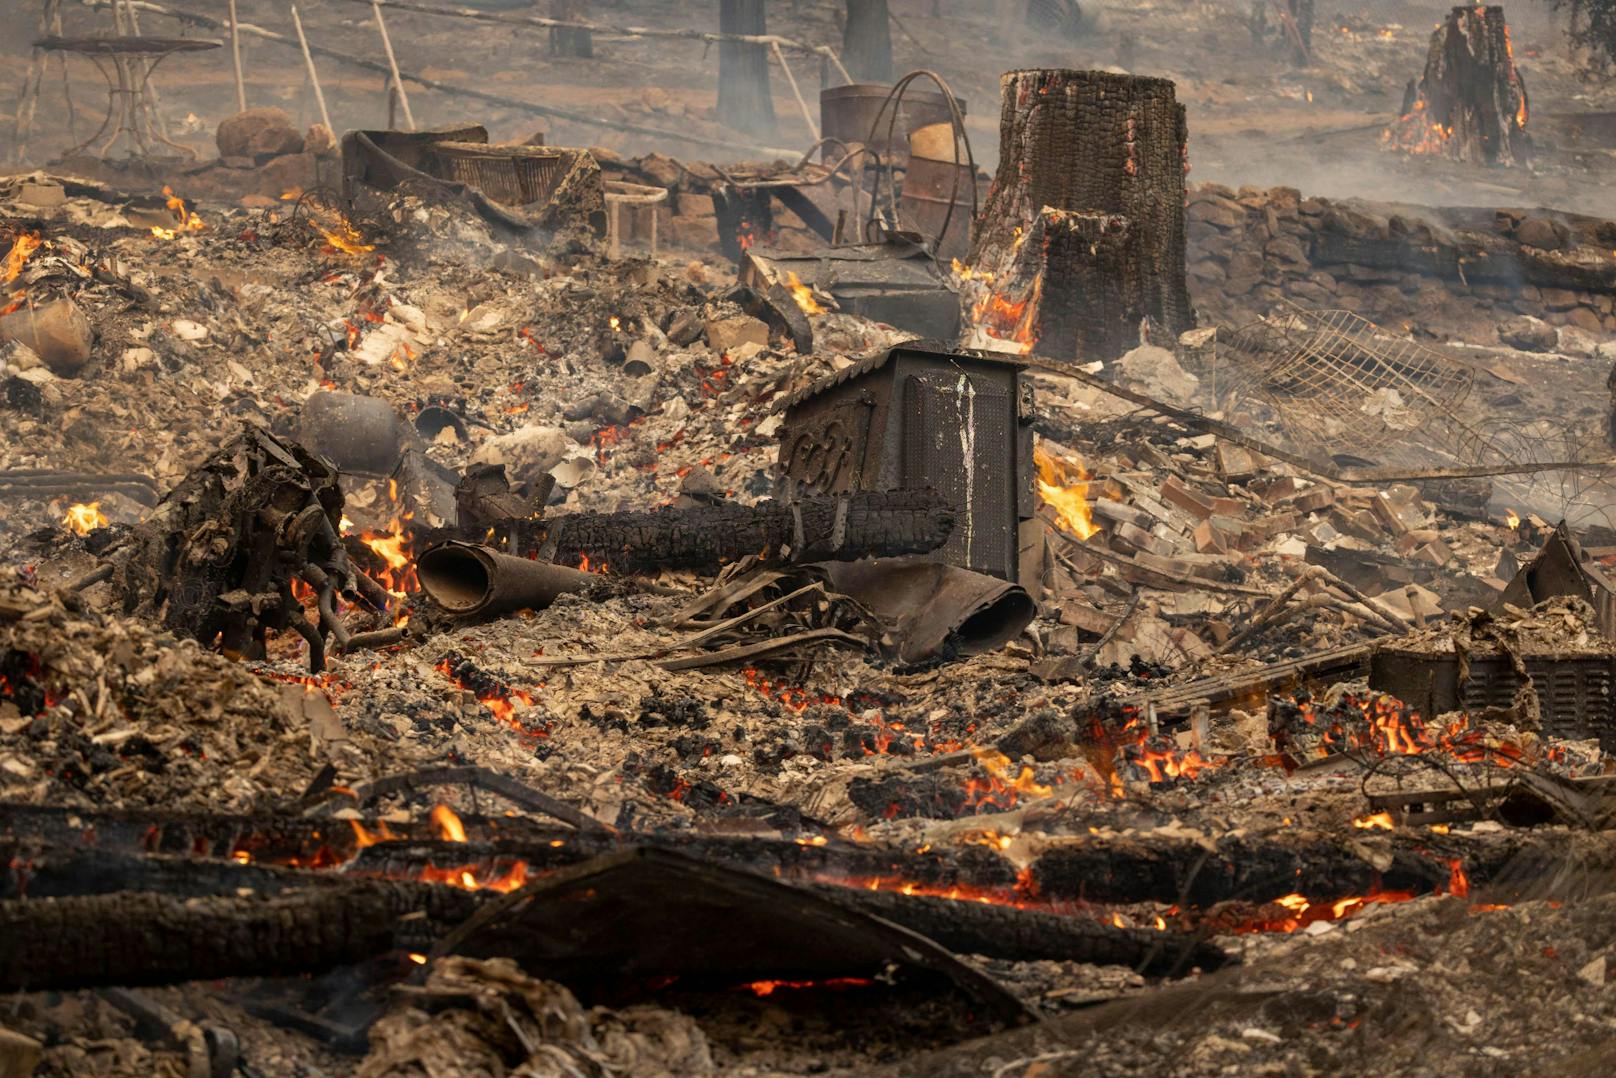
(860, 525)
(1030, 935)
(79, 876)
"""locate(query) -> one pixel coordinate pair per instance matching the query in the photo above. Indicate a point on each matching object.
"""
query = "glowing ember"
(1384, 726)
(1063, 485)
(84, 519)
(1512, 519)
(835, 984)
(803, 295)
(999, 788)
(340, 236)
(1376, 821)
(22, 248)
(447, 824)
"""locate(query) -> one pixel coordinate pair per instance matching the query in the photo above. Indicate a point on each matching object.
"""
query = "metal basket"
(1574, 692)
(513, 175)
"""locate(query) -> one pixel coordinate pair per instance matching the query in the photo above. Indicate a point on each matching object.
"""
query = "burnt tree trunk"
(567, 40)
(1108, 152)
(867, 41)
(744, 100)
(1470, 105)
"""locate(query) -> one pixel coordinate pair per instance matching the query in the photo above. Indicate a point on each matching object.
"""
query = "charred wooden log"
(1023, 935)
(860, 525)
(1470, 104)
(744, 99)
(867, 41)
(1108, 152)
(136, 939)
(218, 557)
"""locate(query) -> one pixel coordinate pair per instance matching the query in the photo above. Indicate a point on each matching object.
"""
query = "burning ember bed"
(434, 640)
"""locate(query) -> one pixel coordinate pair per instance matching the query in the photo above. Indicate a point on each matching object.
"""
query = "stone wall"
(1450, 272)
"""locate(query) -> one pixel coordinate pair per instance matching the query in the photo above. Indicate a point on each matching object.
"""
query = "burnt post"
(867, 41)
(1470, 104)
(571, 41)
(1091, 165)
(744, 99)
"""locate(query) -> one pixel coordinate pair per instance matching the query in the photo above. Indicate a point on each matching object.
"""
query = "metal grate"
(956, 442)
(1335, 380)
(513, 175)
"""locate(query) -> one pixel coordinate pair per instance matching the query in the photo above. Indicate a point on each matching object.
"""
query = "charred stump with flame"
(219, 557)
(1082, 236)
(1470, 105)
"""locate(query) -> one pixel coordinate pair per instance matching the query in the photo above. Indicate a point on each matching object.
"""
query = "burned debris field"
(898, 537)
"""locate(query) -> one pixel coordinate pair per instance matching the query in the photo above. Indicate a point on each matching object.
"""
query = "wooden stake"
(392, 63)
(235, 59)
(314, 79)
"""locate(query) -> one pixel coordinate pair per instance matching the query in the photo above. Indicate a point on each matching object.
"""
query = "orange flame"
(1063, 486)
(803, 295)
(84, 519)
(22, 248)
(447, 824)
(185, 220)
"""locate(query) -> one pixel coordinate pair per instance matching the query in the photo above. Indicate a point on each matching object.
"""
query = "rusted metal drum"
(846, 113)
(929, 189)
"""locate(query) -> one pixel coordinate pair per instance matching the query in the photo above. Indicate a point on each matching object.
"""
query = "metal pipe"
(469, 580)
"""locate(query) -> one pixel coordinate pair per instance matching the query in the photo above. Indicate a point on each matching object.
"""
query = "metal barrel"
(929, 190)
(846, 113)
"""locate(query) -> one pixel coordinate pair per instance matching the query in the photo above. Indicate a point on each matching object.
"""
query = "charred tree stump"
(1107, 153)
(570, 41)
(744, 99)
(861, 525)
(1470, 105)
(867, 41)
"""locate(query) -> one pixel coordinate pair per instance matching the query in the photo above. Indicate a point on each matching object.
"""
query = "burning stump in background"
(1470, 105)
(1091, 167)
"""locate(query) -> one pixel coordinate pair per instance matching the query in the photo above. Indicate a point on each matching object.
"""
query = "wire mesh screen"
(1335, 381)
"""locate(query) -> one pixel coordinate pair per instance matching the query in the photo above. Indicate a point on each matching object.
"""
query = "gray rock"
(1528, 334)
(1157, 372)
(527, 453)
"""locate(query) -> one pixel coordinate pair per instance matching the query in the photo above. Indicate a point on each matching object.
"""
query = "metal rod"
(392, 63)
(235, 59)
(542, 22)
(792, 79)
(308, 60)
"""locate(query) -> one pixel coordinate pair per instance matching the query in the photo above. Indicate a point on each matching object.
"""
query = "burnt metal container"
(849, 112)
(919, 416)
(1574, 692)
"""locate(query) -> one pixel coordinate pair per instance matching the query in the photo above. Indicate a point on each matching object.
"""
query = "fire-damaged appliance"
(919, 416)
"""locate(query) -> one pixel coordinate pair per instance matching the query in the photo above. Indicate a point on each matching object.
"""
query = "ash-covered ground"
(1305, 928)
